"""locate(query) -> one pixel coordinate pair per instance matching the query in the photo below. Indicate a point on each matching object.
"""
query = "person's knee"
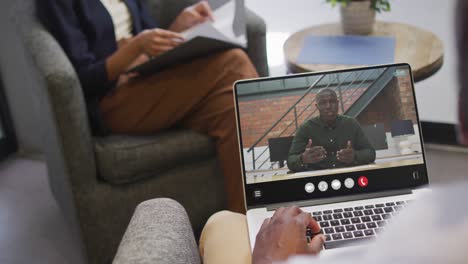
(225, 239)
(237, 54)
(218, 222)
(234, 64)
(224, 216)
(241, 63)
(233, 57)
(223, 219)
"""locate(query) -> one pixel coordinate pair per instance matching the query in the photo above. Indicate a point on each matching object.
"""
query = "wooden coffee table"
(421, 49)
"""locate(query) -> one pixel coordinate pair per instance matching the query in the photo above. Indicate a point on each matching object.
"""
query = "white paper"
(221, 28)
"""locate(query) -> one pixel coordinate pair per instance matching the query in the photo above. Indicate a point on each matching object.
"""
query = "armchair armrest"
(159, 232)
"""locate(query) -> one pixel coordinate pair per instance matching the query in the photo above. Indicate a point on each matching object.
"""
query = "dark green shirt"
(332, 139)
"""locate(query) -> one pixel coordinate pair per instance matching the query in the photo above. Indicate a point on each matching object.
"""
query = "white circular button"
(349, 183)
(323, 186)
(336, 185)
(309, 187)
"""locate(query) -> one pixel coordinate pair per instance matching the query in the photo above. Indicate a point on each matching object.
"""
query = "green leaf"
(380, 5)
(333, 3)
(386, 6)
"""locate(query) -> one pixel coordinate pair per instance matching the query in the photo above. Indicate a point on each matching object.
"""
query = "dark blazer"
(85, 31)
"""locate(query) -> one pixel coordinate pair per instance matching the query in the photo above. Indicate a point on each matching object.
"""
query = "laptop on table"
(353, 199)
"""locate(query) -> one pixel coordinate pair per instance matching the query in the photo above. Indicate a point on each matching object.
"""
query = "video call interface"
(327, 124)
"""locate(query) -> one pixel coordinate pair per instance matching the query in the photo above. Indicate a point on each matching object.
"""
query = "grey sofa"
(159, 232)
(98, 182)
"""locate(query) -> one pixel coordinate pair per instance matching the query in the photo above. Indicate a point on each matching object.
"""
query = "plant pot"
(357, 18)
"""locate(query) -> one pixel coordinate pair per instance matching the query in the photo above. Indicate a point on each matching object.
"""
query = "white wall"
(436, 96)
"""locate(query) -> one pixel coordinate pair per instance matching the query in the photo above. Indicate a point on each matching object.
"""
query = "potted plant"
(358, 16)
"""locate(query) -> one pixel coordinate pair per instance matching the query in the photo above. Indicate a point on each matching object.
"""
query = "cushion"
(125, 159)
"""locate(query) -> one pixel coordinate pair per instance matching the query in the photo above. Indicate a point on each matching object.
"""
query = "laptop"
(351, 196)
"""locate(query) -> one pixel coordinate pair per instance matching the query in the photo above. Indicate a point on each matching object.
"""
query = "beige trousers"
(225, 239)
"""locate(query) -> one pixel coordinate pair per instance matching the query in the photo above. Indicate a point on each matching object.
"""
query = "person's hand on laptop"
(346, 155)
(313, 154)
(191, 16)
(284, 235)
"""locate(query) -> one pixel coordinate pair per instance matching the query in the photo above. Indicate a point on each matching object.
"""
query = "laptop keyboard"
(342, 227)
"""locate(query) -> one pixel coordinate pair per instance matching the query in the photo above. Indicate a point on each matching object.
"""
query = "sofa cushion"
(124, 159)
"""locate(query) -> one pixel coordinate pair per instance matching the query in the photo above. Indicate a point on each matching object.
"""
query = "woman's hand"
(156, 41)
(191, 16)
(124, 78)
(131, 51)
(284, 235)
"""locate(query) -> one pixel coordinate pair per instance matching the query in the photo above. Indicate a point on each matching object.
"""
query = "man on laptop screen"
(328, 123)
(329, 140)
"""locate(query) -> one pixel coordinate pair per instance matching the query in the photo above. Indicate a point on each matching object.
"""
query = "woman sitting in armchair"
(104, 38)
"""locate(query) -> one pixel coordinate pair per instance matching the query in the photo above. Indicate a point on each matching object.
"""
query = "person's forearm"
(118, 62)
(365, 156)
(294, 162)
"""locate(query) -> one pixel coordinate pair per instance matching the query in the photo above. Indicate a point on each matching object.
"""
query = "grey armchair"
(98, 182)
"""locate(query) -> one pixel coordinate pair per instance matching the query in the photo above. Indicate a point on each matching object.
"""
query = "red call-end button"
(363, 181)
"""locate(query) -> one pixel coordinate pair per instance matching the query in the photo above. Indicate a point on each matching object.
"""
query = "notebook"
(228, 30)
(347, 50)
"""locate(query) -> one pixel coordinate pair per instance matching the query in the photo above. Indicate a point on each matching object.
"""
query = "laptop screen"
(327, 134)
